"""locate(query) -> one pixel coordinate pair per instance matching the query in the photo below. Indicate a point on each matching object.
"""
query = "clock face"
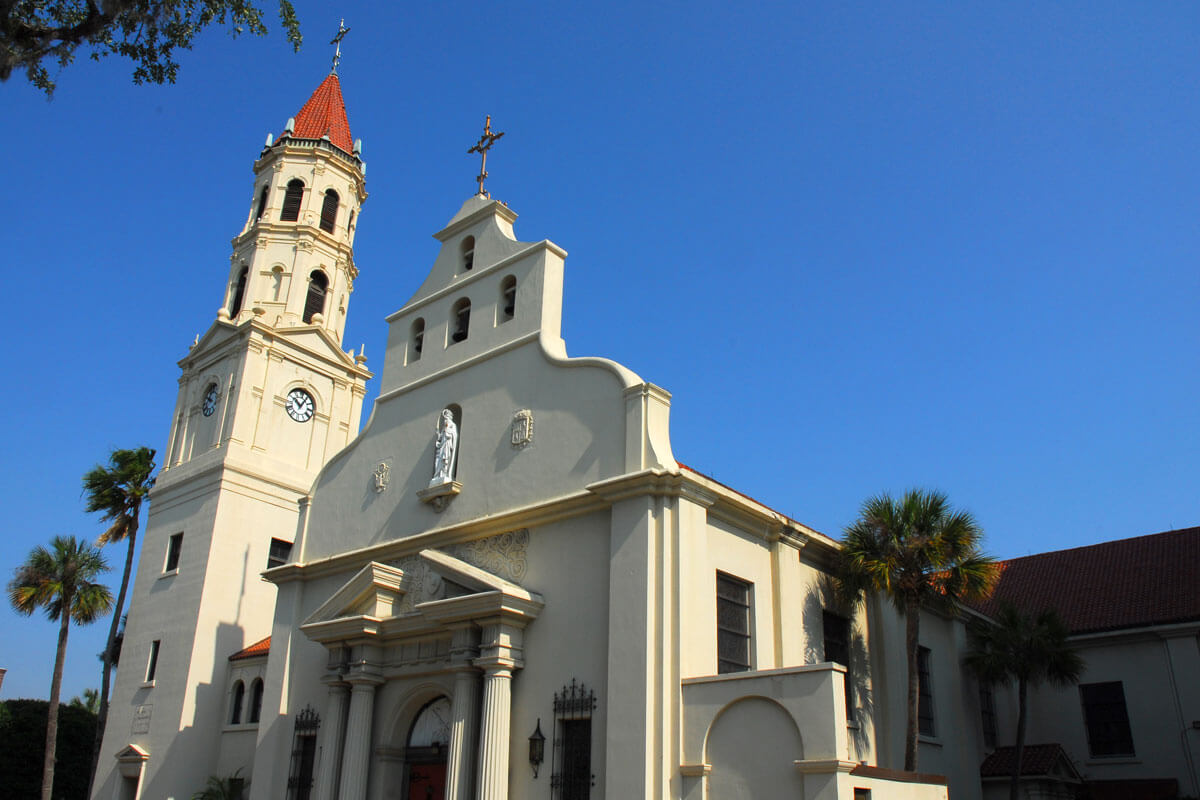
(210, 400)
(299, 405)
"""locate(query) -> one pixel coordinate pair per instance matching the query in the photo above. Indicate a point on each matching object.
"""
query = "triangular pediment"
(470, 577)
(373, 592)
(131, 752)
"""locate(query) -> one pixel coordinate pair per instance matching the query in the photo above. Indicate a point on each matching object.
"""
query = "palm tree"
(1029, 649)
(920, 553)
(89, 701)
(60, 580)
(117, 492)
(231, 788)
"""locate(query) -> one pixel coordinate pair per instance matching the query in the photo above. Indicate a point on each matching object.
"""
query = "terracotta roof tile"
(325, 115)
(1130, 583)
(260, 648)
(1037, 759)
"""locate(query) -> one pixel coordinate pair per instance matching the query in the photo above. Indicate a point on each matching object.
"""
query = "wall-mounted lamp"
(537, 748)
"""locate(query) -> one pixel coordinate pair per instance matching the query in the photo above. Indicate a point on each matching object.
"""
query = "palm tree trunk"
(912, 618)
(106, 669)
(1019, 750)
(55, 688)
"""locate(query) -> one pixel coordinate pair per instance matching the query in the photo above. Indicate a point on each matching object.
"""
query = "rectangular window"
(152, 666)
(987, 713)
(304, 754)
(733, 623)
(174, 547)
(281, 553)
(837, 649)
(572, 778)
(924, 694)
(1106, 718)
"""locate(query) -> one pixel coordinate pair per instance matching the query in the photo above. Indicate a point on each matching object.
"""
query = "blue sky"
(865, 246)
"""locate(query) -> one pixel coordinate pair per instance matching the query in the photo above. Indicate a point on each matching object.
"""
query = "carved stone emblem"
(382, 475)
(522, 428)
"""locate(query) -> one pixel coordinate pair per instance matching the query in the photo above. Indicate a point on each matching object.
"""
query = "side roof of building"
(1130, 583)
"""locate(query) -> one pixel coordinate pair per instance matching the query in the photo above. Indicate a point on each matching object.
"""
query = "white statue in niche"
(444, 449)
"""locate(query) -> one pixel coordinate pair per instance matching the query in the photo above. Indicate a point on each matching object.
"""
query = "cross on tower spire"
(482, 146)
(337, 40)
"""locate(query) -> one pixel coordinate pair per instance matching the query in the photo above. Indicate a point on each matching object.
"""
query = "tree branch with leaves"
(147, 32)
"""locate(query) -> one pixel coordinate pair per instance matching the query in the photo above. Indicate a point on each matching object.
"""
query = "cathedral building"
(504, 585)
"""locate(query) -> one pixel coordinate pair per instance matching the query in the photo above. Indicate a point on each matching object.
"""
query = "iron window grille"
(304, 754)
(987, 714)
(279, 554)
(925, 723)
(1107, 719)
(572, 778)
(837, 649)
(733, 624)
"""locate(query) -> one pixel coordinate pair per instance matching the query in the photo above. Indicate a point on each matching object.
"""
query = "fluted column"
(494, 736)
(335, 735)
(464, 733)
(356, 756)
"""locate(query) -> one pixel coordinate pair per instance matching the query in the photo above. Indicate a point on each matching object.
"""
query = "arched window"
(239, 292)
(315, 302)
(468, 253)
(276, 282)
(262, 202)
(431, 728)
(291, 200)
(329, 211)
(460, 320)
(239, 694)
(508, 298)
(256, 695)
(416, 339)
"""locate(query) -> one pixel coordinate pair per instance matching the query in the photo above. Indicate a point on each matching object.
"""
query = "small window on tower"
(416, 340)
(460, 320)
(329, 209)
(280, 553)
(315, 302)
(152, 664)
(174, 548)
(239, 292)
(468, 253)
(291, 200)
(508, 298)
(262, 202)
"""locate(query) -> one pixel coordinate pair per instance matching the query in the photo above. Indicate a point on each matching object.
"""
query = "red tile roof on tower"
(1130, 583)
(325, 115)
(260, 648)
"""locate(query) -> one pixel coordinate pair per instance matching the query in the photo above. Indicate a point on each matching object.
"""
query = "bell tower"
(285, 302)
(266, 397)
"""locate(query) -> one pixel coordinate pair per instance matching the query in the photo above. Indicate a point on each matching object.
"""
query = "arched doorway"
(425, 753)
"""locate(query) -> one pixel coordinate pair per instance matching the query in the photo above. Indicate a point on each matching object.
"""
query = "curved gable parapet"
(480, 344)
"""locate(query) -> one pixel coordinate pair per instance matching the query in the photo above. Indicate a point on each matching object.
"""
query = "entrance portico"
(463, 630)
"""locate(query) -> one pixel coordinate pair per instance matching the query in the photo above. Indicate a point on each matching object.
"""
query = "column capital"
(496, 667)
(360, 680)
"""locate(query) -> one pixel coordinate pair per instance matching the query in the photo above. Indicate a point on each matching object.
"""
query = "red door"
(426, 781)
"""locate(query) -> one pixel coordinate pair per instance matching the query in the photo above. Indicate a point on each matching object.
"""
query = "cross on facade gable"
(482, 146)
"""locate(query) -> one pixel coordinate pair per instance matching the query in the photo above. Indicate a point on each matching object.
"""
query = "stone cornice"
(543, 513)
